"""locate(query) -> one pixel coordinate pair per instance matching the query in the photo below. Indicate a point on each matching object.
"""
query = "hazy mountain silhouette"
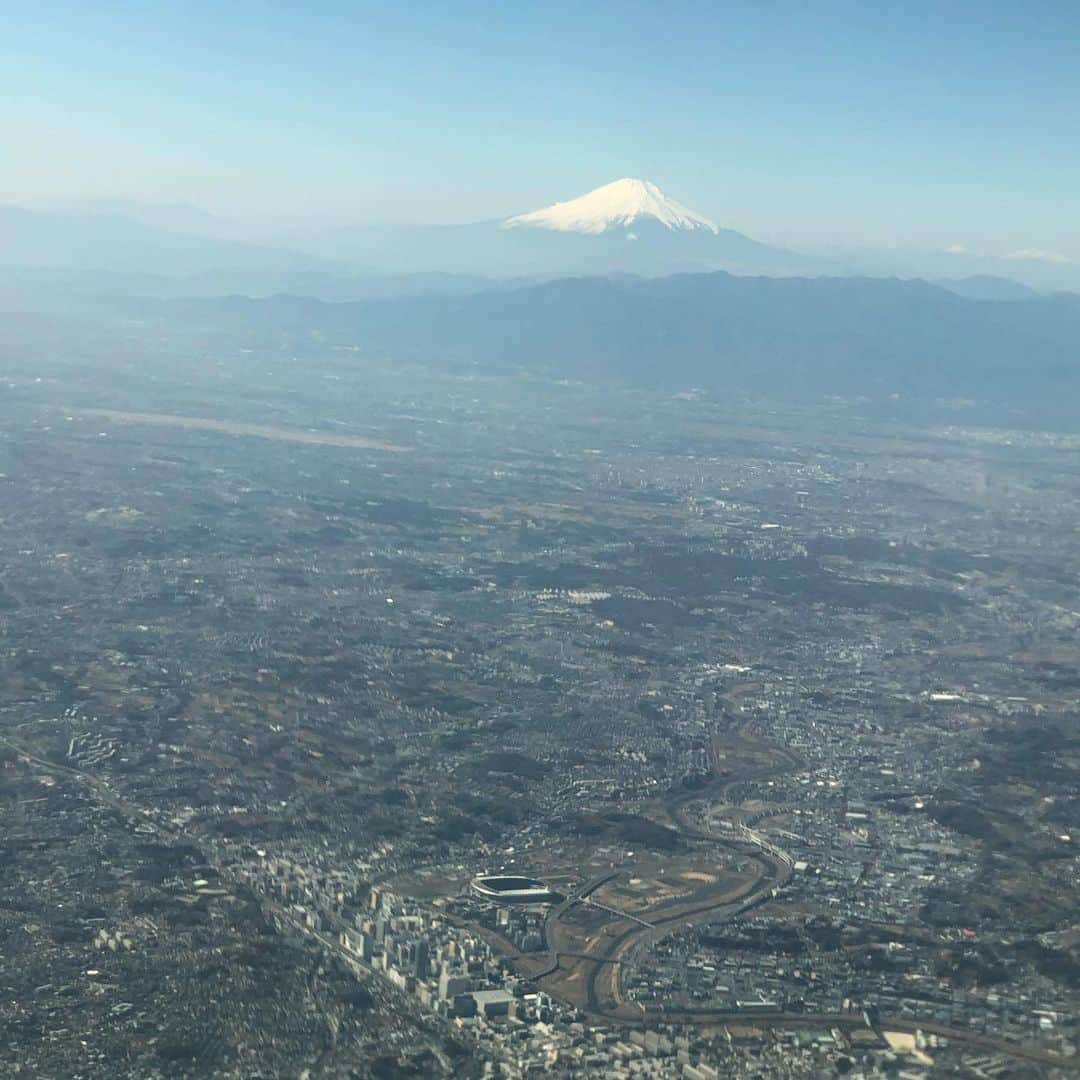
(823, 335)
(110, 240)
(988, 287)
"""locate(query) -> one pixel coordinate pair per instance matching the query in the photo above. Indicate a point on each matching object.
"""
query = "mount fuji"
(627, 226)
(620, 204)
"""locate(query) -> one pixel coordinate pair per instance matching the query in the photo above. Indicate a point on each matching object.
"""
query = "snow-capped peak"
(622, 202)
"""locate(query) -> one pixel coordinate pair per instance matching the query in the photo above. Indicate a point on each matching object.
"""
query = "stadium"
(513, 890)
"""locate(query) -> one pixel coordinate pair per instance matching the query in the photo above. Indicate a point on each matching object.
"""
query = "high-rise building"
(451, 984)
(422, 958)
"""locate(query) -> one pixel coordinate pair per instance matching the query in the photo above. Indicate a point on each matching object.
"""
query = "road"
(853, 1021)
(105, 794)
(582, 892)
(611, 957)
(608, 960)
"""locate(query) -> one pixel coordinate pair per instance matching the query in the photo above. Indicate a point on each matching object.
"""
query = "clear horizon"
(920, 128)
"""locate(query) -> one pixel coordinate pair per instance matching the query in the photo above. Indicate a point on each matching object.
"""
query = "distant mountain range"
(988, 287)
(775, 335)
(497, 296)
(629, 226)
(110, 240)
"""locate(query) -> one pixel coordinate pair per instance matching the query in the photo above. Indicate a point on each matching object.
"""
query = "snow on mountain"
(621, 203)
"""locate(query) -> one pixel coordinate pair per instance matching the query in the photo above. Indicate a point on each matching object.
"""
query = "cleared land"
(236, 427)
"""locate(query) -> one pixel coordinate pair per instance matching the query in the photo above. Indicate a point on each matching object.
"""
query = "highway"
(777, 871)
(560, 909)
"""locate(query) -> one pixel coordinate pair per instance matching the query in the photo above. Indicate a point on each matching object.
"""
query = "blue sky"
(907, 124)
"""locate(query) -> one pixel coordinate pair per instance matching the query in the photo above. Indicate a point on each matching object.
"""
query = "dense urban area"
(363, 719)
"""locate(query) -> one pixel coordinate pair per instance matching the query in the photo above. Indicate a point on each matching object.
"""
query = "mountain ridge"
(811, 336)
(622, 235)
